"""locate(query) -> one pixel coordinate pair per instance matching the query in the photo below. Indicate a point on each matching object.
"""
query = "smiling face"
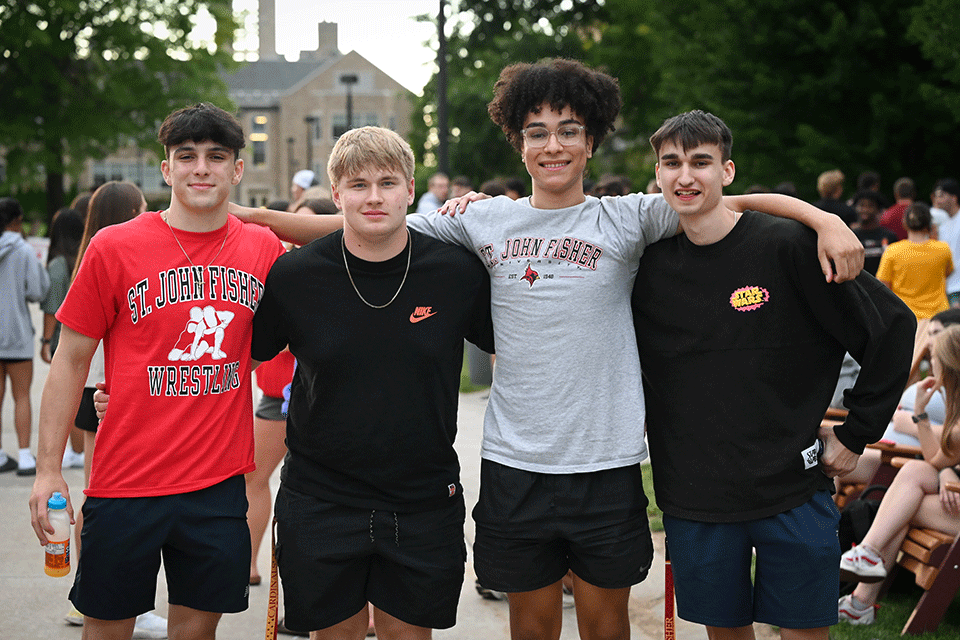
(556, 169)
(201, 174)
(374, 205)
(692, 180)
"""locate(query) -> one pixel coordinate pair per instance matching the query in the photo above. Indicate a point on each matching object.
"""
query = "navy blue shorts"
(797, 568)
(533, 527)
(202, 536)
(333, 559)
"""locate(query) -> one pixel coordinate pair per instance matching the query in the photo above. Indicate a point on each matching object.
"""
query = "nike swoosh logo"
(417, 316)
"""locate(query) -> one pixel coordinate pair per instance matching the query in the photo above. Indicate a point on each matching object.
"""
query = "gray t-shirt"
(567, 395)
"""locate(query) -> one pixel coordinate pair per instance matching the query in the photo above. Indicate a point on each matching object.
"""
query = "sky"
(382, 31)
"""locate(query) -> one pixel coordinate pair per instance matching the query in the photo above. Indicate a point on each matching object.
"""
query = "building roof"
(261, 83)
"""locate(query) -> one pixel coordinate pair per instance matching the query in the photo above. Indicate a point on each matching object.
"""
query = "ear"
(165, 171)
(410, 192)
(589, 146)
(237, 171)
(335, 194)
(729, 172)
(656, 169)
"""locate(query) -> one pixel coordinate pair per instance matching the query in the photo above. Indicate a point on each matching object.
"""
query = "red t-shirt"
(177, 351)
(276, 373)
(892, 219)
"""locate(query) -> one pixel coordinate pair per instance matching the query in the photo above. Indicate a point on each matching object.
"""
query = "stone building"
(291, 113)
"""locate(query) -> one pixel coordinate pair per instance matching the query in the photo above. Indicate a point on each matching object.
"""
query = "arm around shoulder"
(290, 227)
(839, 250)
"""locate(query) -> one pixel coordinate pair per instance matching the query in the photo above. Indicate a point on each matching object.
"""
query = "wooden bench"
(934, 559)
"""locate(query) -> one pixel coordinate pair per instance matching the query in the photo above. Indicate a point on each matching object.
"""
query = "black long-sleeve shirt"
(741, 343)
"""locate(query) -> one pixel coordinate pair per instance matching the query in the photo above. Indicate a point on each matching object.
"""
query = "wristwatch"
(920, 416)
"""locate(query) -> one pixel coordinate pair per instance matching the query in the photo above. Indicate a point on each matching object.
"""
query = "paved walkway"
(32, 605)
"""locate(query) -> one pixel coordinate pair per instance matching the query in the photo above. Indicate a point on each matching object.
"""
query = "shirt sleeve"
(59, 276)
(37, 280)
(878, 330)
(481, 329)
(658, 220)
(885, 270)
(269, 333)
(93, 301)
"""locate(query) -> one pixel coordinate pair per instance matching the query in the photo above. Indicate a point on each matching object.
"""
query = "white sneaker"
(72, 459)
(150, 625)
(849, 613)
(861, 564)
(74, 617)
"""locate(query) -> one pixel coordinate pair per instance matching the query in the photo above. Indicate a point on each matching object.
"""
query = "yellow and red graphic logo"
(530, 275)
(749, 298)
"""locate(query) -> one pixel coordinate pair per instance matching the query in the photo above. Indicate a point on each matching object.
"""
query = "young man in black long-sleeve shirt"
(741, 341)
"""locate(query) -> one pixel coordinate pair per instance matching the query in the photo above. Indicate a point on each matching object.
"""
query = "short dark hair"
(558, 82)
(905, 188)
(868, 180)
(202, 121)
(948, 185)
(10, 210)
(693, 128)
(868, 194)
(948, 317)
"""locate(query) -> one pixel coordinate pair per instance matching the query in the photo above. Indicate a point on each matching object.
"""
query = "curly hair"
(525, 88)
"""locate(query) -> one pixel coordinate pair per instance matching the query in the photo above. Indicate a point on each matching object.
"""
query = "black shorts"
(202, 536)
(87, 419)
(270, 408)
(333, 559)
(533, 527)
(14, 360)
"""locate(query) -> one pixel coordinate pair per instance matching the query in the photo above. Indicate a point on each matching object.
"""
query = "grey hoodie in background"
(22, 279)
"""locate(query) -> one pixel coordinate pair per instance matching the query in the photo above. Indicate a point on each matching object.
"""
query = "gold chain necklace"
(187, 256)
(343, 250)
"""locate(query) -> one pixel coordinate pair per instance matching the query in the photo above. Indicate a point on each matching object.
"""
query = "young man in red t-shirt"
(172, 295)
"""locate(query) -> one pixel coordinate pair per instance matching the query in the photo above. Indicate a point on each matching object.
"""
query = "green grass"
(894, 610)
(653, 511)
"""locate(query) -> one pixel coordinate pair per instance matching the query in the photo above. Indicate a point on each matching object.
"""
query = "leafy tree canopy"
(806, 87)
(83, 77)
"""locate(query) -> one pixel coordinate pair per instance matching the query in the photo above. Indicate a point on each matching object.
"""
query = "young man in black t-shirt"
(370, 507)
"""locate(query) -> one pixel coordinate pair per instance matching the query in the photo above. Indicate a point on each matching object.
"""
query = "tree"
(855, 84)
(83, 77)
(486, 36)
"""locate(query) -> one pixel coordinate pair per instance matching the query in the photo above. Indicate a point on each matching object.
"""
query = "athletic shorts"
(533, 527)
(333, 559)
(797, 568)
(14, 360)
(269, 409)
(87, 419)
(202, 537)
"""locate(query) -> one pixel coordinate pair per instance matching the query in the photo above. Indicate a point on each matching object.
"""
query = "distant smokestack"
(267, 29)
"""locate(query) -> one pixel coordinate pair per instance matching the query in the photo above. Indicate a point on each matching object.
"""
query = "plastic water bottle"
(57, 562)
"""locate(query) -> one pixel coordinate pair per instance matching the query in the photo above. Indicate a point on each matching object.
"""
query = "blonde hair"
(369, 147)
(946, 348)
(829, 182)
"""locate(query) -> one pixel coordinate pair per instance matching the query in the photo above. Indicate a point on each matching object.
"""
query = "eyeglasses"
(567, 135)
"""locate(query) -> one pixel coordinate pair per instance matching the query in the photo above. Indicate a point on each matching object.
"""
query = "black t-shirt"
(373, 405)
(874, 243)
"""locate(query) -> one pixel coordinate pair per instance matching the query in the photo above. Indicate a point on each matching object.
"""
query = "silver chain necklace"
(343, 249)
(186, 255)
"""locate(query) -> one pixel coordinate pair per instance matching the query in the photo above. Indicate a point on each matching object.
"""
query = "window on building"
(258, 138)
